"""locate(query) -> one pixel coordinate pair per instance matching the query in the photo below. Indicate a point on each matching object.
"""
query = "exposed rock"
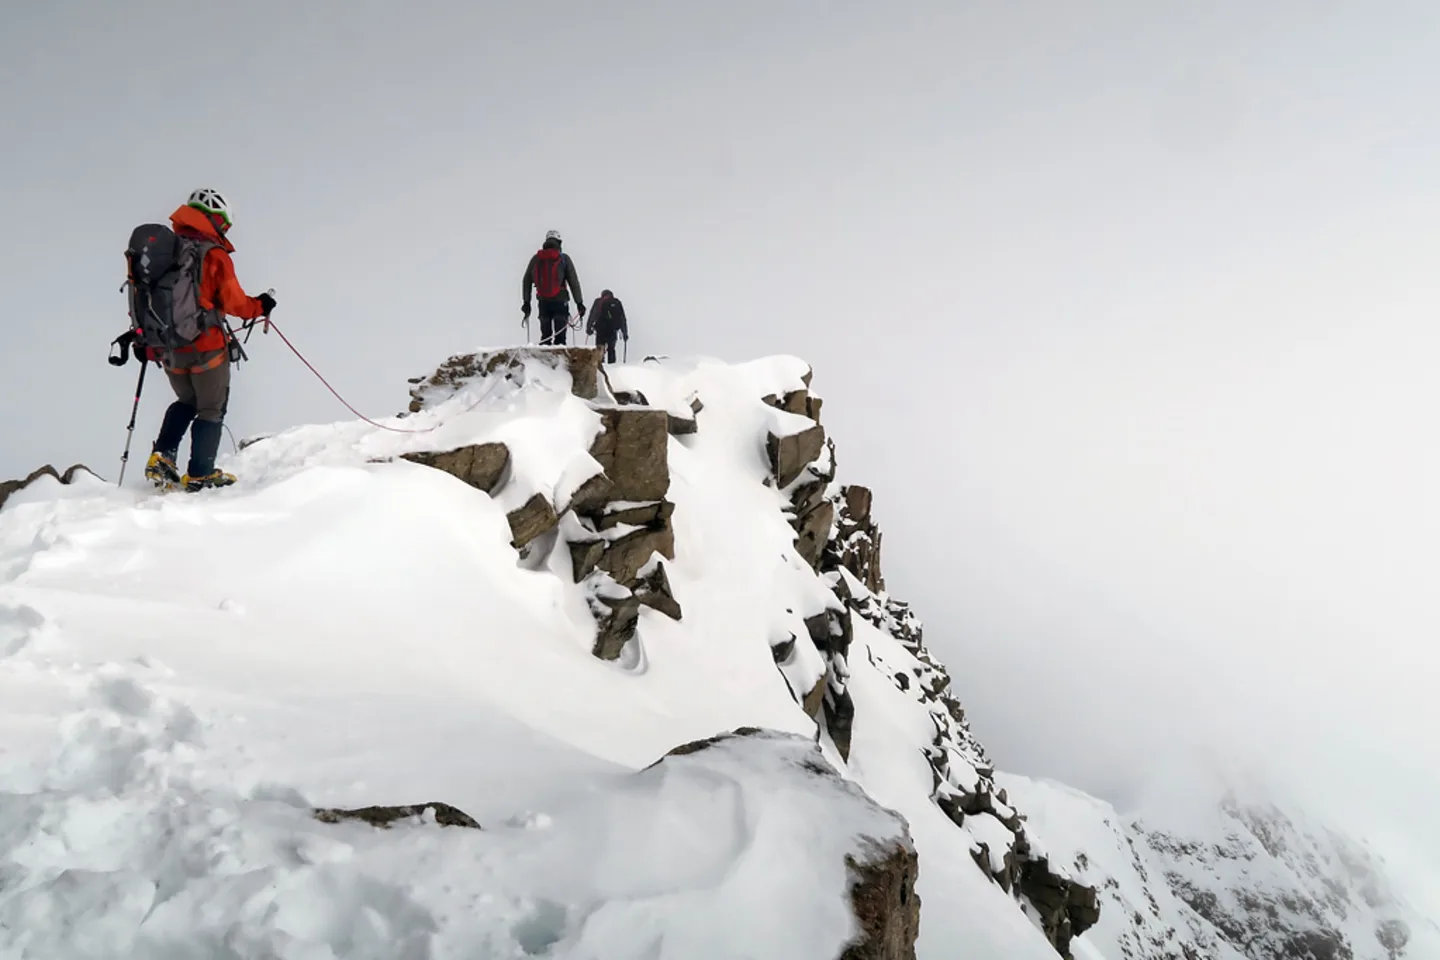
(632, 449)
(807, 496)
(10, 487)
(582, 363)
(445, 815)
(623, 558)
(481, 465)
(814, 701)
(885, 903)
(783, 650)
(653, 590)
(681, 426)
(695, 746)
(798, 402)
(591, 496)
(615, 625)
(856, 547)
(631, 398)
(858, 501)
(1066, 909)
(790, 454)
(534, 518)
(839, 709)
(640, 515)
(585, 556)
(814, 532)
(251, 441)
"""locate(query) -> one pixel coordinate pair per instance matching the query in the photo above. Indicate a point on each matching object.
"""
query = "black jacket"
(607, 320)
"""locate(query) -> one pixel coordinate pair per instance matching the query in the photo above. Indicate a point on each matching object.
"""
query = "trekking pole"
(130, 430)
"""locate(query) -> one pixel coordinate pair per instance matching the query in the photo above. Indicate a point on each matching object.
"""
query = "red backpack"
(549, 274)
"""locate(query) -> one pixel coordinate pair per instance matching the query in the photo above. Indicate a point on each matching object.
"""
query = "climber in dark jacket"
(607, 322)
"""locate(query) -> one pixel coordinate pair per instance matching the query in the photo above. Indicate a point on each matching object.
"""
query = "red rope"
(322, 379)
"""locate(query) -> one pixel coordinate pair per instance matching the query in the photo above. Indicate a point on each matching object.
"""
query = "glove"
(267, 303)
(525, 310)
(581, 308)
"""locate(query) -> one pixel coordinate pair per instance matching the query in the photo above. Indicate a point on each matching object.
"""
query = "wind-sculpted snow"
(124, 843)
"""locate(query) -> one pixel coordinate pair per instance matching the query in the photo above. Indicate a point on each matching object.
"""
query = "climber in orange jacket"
(199, 372)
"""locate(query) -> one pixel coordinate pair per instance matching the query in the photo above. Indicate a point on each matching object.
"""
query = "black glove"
(581, 308)
(525, 310)
(267, 303)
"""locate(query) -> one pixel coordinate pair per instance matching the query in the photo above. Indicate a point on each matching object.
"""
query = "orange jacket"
(218, 286)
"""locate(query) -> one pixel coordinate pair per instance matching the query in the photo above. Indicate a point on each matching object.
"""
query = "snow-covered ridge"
(511, 610)
(500, 619)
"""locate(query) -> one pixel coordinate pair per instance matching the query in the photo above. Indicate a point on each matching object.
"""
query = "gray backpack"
(164, 286)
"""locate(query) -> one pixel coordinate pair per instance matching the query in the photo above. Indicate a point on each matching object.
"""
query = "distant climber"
(607, 323)
(551, 272)
(182, 287)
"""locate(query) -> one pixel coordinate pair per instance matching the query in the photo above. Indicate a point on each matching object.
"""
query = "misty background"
(1125, 310)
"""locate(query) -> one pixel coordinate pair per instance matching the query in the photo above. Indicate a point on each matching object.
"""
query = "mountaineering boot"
(204, 445)
(216, 478)
(161, 469)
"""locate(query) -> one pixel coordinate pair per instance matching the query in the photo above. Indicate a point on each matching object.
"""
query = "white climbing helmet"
(210, 201)
(553, 235)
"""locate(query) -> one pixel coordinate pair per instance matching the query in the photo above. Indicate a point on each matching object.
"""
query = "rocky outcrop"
(383, 817)
(581, 363)
(531, 520)
(482, 465)
(1065, 908)
(856, 545)
(790, 453)
(11, 487)
(614, 528)
(802, 468)
(632, 450)
(681, 426)
(882, 872)
(618, 530)
(885, 904)
(837, 535)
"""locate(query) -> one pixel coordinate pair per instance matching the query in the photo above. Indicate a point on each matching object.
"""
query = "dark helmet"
(606, 293)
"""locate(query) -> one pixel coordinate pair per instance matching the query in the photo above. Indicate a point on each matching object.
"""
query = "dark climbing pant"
(202, 395)
(554, 321)
(609, 346)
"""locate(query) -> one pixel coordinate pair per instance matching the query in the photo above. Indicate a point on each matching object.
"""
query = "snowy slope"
(1209, 876)
(184, 678)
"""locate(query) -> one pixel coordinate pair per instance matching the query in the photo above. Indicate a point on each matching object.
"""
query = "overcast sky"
(1125, 310)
